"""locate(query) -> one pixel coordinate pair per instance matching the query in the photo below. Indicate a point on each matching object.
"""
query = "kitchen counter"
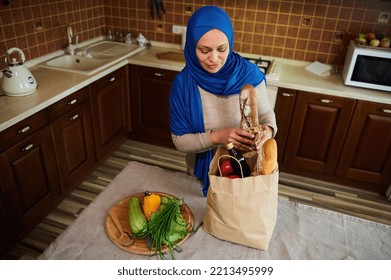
(149, 57)
(53, 85)
(295, 76)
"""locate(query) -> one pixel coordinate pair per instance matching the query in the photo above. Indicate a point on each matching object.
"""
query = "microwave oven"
(367, 67)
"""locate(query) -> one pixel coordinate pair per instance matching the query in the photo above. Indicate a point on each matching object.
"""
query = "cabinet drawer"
(68, 103)
(108, 80)
(155, 73)
(23, 129)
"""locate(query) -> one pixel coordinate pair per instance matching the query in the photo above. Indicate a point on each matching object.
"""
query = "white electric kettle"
(17, 79)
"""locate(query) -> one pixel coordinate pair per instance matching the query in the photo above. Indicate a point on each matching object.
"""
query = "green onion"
(167, 225)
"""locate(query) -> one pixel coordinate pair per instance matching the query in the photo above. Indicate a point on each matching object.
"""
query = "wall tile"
(263, 27)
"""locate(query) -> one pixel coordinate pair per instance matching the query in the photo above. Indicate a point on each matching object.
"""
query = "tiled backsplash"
(304, 30)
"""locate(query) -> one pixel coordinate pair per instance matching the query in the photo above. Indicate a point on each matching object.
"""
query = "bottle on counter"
(128, 38)
(109, 35)
(238, 161)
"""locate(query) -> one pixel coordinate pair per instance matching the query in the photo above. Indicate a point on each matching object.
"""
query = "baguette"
(268, 163)
(248, 107)
(267, 158)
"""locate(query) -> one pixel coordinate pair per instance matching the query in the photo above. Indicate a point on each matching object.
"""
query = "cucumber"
(137, 221)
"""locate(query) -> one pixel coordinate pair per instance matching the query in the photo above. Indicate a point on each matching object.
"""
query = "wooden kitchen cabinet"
(45, 156)
(6, 233)
(283, 109)
(334, 139)
(110, 111)
(29, 180)
(73, 138)
(317, 131)
(150, 107)
(29, 185)
(366, 155)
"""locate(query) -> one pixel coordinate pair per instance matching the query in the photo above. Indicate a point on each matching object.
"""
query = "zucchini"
(137, 221)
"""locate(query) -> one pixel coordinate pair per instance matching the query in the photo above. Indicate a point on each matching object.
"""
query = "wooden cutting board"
(173, 56)
(139, 246)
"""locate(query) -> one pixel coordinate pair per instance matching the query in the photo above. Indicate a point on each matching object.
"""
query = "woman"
(204, 101)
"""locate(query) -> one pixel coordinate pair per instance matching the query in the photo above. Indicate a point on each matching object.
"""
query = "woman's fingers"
(242, 139)
(265, 135)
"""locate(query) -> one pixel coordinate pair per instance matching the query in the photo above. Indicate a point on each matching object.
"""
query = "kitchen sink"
(107, 49)
(76, 63)
(92, 58)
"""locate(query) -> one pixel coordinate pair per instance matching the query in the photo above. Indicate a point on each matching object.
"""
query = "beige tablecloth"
(302, 232)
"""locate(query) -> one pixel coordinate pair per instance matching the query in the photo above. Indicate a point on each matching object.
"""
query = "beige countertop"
(53, 85)
(295, 76)
(148, 57)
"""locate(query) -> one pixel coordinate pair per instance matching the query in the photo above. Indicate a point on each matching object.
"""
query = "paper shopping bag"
(242, 210)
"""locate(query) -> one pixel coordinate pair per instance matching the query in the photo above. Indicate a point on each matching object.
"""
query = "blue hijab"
(186, 115)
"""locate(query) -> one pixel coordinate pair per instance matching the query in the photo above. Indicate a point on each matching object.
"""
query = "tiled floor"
(321, 194)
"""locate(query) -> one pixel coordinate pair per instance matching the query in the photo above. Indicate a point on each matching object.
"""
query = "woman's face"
(212, 50)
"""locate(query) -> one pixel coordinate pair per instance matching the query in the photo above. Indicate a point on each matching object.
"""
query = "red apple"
(226, 168)
(233, 176)
(385, 43)
(370, 36)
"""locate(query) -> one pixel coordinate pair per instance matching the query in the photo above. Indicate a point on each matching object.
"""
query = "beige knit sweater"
(221, 112)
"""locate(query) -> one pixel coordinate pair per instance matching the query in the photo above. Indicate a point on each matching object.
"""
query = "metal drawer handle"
(112, 79)
(74, 117)
(387, 111)
(326, 101)
(24, 129)
(28, 147)
(285, 94)
(73, 101)
(157, 74)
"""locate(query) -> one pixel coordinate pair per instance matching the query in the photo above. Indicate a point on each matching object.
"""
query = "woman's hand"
(266, 134)
(241, 138)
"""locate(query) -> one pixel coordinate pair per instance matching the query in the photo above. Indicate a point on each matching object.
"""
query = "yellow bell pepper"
(151, 204)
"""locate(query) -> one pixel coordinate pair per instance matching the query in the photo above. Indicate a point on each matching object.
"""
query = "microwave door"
(372, 70)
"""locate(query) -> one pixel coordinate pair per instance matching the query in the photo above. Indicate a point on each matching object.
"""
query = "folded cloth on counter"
(320, 69)
(302, 232)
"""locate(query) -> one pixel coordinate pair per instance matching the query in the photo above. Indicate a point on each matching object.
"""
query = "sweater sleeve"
(266, 113)
(193, 142)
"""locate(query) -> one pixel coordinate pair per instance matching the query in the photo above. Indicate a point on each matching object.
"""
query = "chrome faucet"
(71, 48)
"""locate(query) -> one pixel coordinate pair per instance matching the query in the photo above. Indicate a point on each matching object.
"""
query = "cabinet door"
(109, 104)
(74, 145)
(6, 232)
(367, 151)
(319, 126)
(30, 179)
(150, 105)
(284, 109)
